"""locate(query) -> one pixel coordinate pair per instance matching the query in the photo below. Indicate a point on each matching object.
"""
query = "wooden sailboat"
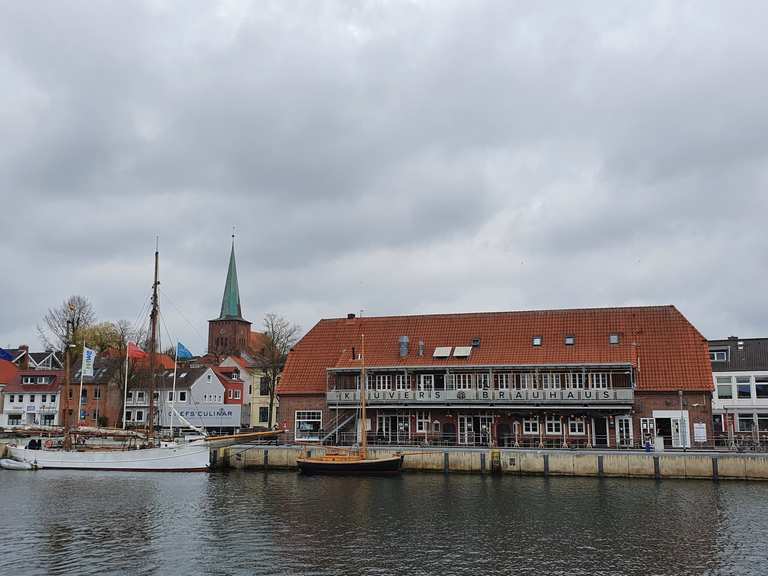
(338, 461)
(143, 453)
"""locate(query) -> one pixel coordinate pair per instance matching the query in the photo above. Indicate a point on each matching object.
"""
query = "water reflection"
(257, 523)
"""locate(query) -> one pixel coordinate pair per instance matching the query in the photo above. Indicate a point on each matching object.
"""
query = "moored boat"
(9, 464)
(352, 464)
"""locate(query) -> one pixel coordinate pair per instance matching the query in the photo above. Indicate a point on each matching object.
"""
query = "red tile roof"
(8, 372)
(54, 386)
(668, 353)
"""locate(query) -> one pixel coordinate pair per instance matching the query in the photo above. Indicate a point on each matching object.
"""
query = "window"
(743, 391)
(761, 389)
(263, 414)
(183, 396)
(70, 393)
(531, 425)
(209, 377)
(550, 381)
(482, 381)
(14, 419)
(400, 382)
(426, 382)
(599, 380)
(724, 379)
(42, 380)
(762, 422)
(536, 341)
(576, 380)
(230, 394)
(130, 395)
(746, 423)
(170, 396)
(502, 381)
(156, 396)
(97, 392)
(383, 382)
(28, 380)
(570, 340)
(237, 394)
(264, 386)
(11, 398)
(576, 426)
(614, 339)
(44, 398)
(462, 381)
(522, 381)
(422, 422)
(554, 425)
(308, 424)
(718, 355)
(140, 396)
(139, 415)
(128, 415)
(32, 397)
(724, 391)
(53, 398)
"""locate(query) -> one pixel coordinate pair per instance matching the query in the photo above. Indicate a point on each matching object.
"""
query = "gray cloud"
(401, 158)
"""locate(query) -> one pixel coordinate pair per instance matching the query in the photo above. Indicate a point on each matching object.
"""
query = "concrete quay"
(595, 463)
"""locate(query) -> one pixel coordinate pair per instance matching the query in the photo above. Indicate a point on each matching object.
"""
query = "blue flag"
(5, 355)
(181, 352)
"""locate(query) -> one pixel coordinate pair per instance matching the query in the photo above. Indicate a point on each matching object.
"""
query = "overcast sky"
(399, 158)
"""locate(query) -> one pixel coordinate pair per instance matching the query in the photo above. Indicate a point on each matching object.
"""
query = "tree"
(76, 310)
(101, 337)
(279, 337)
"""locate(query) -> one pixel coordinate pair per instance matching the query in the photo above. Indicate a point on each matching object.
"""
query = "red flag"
(135, 352)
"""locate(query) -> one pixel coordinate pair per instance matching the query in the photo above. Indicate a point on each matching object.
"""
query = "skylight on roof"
(462, 351)
(442, 352)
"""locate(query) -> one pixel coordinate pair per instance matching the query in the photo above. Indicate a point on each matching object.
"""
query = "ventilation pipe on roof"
(403, 346)
(421, 347)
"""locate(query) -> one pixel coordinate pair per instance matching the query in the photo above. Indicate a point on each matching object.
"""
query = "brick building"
(585, 377)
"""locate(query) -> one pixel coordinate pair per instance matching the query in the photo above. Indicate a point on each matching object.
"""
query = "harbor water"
(59, 522)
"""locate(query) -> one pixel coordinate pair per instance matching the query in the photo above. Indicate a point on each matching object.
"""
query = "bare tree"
(75, 309)
(279, 337)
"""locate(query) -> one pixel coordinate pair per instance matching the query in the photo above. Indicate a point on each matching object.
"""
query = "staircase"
(342, 419)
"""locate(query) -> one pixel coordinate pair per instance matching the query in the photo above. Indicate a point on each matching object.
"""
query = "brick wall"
(290, 403)
(698, 405)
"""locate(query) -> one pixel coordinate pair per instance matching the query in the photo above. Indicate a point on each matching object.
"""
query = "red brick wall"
(290, 403)
(647, 402)
(235, 331)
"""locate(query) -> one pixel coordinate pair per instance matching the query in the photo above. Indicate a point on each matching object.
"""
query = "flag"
(88, 358)
(181, 352)
(134, 351)
(5, 355)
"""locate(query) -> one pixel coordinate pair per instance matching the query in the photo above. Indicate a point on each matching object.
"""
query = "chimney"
(354, 356)
(25, 359)
(421, 347)
(351, 316)
(403, 346)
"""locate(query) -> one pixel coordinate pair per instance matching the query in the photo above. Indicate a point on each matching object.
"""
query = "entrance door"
(466, 430)
(403, 428)
(483, 426)
(677, 441)
(600, 431)
(623, 431)
(385, 427)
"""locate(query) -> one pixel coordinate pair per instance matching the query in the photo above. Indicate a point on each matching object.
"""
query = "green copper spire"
(230, 303)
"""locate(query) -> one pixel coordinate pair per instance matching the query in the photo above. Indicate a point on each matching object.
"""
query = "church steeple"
(230, 302)
(230, 332)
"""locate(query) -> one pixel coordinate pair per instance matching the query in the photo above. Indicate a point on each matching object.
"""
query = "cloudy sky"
(394, 157)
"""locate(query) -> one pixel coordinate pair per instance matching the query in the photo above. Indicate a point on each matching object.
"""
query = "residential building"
(101, 395)
(585, 377)
(26, 360)
(740, 396)
(32, 398)
(8, 373)
(200, 398)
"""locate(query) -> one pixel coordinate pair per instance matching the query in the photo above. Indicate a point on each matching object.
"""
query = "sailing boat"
(143, 454)
(339, 461)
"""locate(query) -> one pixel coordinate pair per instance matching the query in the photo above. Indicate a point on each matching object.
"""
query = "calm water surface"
(56, 522)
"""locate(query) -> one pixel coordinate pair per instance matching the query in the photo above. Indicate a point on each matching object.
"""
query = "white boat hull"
(7, 464)
(185, 458)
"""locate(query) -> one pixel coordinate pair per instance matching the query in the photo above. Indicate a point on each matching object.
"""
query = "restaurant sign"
(205, 415)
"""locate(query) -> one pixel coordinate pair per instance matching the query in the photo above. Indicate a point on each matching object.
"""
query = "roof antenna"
(233, 233)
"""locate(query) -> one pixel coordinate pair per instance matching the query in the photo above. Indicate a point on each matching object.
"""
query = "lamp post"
(683, 428)
(66, 412)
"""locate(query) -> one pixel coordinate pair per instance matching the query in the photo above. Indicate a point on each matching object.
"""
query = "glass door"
(623, 431)
(466, 430)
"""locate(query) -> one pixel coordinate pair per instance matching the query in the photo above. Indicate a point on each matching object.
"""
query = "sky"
(384, 157)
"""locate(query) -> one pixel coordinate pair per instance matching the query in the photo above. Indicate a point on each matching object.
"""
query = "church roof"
(230, 303)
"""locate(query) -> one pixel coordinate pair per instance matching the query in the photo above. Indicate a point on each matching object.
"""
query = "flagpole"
(80, 400)
(125, 388)
(173, 394)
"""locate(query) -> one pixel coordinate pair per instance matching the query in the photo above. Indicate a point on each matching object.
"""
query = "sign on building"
(204, 415)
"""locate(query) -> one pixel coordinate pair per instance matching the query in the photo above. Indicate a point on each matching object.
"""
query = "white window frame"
(182, 396)
(577, 426)
(462, 381)
(422, 421)
(426, 382)
(482, 380)
(553, 426)
(576, 381)
(598, 380)
(718, 355)
(139, 412)
(129, 415)
(401, 383)
(502, 380)
(237, 395)
(307, 416)
(531, 426)
(140, 395)
(383, 382)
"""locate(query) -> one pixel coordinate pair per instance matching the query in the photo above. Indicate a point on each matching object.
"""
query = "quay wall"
(711, 466)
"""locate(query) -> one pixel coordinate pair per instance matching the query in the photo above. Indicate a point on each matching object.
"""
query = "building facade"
(32, 398)
(101, 395)
(740, 396)
(592, 377)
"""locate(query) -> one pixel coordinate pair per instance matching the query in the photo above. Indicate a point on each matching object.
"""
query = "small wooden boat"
(8, 464)
(350, 464)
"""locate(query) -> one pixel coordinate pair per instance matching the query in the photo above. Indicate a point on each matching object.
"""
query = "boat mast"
(363, 394)
(152, 347)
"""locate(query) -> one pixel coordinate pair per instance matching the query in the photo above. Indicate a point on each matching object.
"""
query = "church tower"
(228, 334)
